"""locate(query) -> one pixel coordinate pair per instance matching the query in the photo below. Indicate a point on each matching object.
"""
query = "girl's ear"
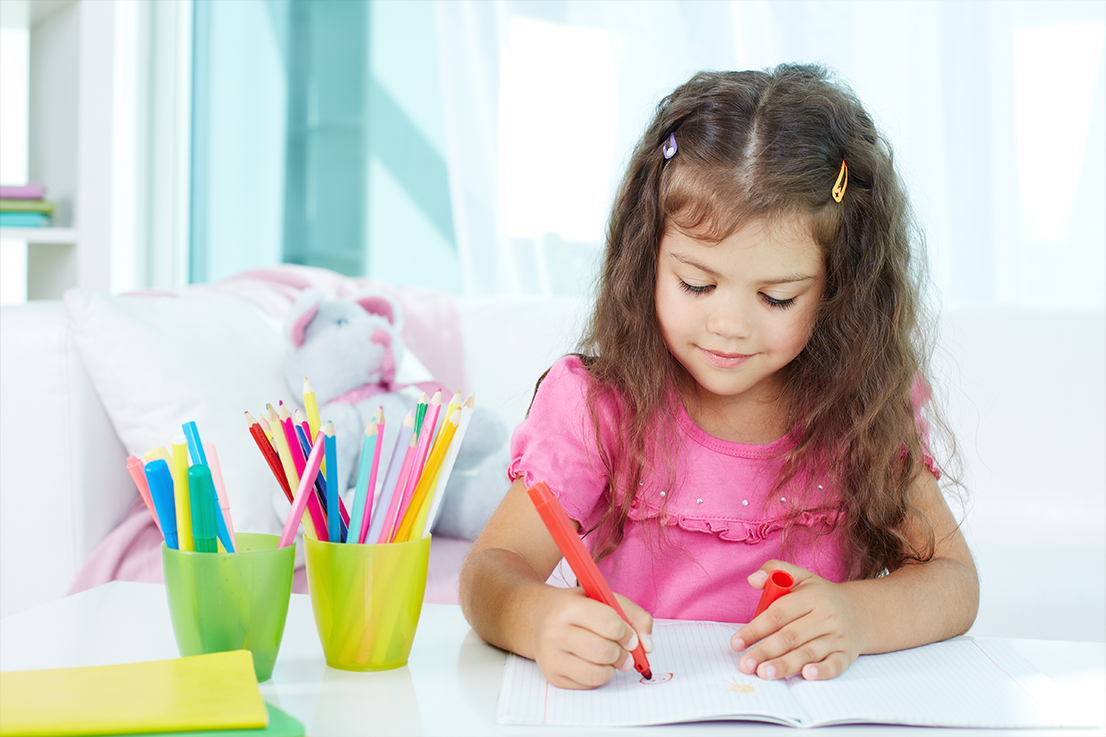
(299, 317)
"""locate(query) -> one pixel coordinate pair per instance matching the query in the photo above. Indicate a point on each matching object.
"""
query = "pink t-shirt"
(721, 522)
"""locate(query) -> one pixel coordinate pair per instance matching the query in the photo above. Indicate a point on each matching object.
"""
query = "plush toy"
(350, 350)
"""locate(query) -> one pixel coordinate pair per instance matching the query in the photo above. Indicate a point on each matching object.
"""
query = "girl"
(748, 397)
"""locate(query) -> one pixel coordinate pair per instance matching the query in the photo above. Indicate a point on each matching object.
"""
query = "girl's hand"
(816, 629)
(581, 643)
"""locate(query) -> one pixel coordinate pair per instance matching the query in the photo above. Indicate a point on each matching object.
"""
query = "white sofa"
(1026, 395)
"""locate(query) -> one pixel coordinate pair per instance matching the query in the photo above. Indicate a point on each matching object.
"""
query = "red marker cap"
(778, 584)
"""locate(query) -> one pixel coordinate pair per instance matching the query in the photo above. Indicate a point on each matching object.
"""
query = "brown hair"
(769, 145)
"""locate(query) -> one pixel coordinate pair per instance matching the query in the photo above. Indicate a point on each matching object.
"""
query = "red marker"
(572, 548)
(778, 584)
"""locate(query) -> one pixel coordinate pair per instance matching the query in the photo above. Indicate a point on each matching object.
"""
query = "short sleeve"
(556, 443)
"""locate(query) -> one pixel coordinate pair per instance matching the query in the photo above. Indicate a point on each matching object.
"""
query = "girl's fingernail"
(647, 643)
(760, 576)
(769, 672)
(632, 644)
(810, 672)
(750, 665)
(737, 644)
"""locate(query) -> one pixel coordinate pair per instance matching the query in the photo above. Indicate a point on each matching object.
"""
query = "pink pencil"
(363, 533)
(318, 519)
(137, 470)
(426, 434)
(305, 492)
(392, 516)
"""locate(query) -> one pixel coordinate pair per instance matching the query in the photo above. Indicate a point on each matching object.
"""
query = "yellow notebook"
(216, 691)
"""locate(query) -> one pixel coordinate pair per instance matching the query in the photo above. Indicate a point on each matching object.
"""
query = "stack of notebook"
(25, 206)
(212, 695)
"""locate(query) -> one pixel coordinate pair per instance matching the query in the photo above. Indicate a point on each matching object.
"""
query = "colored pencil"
(333, 499)
(388, 501)
(295, 452)
(419, 507)
(304, 494)
(426, 434)
(270, 455)
(362, 490)
(372, 475)
(311, 406)
(280, 442)
(447, 464)
(320, 483)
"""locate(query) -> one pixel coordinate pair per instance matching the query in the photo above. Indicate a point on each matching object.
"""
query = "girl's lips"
(724, 360)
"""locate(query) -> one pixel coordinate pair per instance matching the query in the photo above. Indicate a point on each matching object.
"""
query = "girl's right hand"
(581, 643)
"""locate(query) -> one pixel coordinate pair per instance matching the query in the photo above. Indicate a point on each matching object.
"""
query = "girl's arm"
(820, 628)
(577, 642)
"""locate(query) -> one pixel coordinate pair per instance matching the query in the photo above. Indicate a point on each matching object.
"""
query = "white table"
(449, 687)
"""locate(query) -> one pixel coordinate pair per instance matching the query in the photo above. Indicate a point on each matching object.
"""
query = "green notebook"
(281, 724)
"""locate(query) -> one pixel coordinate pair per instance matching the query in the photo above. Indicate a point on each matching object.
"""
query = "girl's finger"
(831, 666)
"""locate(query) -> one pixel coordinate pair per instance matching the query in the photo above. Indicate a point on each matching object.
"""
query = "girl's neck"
(757, 418)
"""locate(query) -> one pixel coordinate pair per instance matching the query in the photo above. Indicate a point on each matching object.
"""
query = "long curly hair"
(771, 144)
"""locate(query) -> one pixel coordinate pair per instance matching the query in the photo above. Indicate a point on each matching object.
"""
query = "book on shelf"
(24, 220)
(962, 682)
(44, 207)
(30, 191)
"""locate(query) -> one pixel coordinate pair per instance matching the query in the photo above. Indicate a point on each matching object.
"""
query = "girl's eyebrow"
(788, 279)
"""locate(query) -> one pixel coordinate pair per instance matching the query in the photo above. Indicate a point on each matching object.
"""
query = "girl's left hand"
(815, 629)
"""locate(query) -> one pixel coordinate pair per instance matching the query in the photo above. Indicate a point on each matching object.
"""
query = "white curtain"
(995, 111)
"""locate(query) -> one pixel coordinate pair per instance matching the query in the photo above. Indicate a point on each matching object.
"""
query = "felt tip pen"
(160, 479)
(204, 509)
(778, 583)
(572, 548)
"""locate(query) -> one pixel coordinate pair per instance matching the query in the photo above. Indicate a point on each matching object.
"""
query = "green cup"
(367, 600)
(231, 601)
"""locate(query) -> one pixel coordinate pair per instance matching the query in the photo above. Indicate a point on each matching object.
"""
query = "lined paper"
(958, 683)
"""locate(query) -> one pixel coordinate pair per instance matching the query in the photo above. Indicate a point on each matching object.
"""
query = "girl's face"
(734, 313)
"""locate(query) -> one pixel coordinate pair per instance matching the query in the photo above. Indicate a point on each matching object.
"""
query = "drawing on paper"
(737, 687)
(657, 678)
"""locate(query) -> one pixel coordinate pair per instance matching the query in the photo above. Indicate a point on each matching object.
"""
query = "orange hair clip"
(842, 182)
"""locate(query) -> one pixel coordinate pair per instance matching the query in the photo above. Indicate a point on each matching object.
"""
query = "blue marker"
(196, 450)
(160, 480)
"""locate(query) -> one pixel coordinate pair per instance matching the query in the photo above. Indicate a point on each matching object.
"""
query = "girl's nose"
(729, 321)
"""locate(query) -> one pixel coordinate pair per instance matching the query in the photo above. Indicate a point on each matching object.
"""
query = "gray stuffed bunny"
(350, 349)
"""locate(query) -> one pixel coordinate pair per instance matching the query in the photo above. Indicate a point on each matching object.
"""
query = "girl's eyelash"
(782, 304)
(693, 289)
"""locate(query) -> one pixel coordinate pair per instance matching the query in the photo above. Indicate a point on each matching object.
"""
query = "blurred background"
(474, 147)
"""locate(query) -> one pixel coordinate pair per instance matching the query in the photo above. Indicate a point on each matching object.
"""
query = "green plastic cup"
(367, 600)
(231, 601)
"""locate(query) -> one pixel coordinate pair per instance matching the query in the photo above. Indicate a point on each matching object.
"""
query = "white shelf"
(55, 236)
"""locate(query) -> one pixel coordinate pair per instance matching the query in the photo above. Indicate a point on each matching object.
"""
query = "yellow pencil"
(419, 507)
(312, 407)
(447, 464)
(179, 469)
(285, 454)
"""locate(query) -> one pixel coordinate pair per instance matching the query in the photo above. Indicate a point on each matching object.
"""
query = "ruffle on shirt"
(818, 521)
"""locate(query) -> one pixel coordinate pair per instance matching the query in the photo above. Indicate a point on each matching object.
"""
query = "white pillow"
(159, 362)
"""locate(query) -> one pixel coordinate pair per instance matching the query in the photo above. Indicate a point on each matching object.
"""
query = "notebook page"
(957, 683)
(695, 677)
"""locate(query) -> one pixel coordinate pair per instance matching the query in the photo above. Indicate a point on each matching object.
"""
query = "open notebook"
(958, 683)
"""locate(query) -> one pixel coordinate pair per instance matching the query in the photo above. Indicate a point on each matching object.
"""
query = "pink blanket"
(431, 331)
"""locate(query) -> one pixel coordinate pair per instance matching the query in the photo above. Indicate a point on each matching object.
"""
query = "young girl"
(748, 397)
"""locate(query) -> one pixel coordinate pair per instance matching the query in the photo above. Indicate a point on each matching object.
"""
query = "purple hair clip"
(669, 147)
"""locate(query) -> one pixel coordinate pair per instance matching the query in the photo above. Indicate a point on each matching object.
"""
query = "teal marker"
(196, 450)
(201, 492)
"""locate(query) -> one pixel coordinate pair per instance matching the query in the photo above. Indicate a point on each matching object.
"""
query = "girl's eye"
(782, 304)
(694, 289)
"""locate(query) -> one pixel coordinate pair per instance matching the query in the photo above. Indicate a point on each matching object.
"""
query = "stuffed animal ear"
(378, 303)
(299, 317)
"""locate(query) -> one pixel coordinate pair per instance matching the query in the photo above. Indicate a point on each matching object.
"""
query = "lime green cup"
(367, 600)
(231, 601)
